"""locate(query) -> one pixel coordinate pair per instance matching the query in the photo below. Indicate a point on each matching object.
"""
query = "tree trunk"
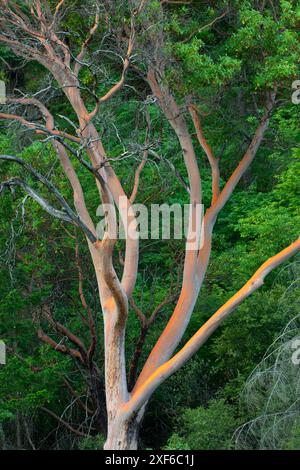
(123, 433)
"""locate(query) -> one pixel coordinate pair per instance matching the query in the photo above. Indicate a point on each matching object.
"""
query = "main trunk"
(122, 429)
(123, 433)
(122, 436)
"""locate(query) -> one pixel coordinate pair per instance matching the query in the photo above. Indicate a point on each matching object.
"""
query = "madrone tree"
(163, 53)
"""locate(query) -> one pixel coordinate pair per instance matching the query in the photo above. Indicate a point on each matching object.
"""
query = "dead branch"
(59, 347)
(75, 396)
(68, 215)
(65, 423)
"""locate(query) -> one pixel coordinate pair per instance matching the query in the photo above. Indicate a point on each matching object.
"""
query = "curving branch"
(58, 138)
(117, 86)
(12, 182)
(59, 347)
(141, 394)
(206, 26)
(177, 324)
(87, 41)
(38, 128)
(213, 161)
(72, 338)
(68, 215)
(248, 156)
(143, 162)
(65, 423)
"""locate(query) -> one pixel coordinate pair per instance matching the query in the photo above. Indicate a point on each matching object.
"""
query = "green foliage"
(209, 428)
(270, 394)
(92, 443)
(294, 441)
(176, 442)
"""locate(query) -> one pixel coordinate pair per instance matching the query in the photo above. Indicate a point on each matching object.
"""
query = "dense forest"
(194, 102)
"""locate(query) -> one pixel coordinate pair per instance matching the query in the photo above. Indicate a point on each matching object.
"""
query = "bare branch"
(173, 168)
(248, 157)
(208, 25)
(39, 129)
(143, 162)
(126, 64)
(68, 216)
(65, 423)
(71, 337)
(12, 182)
(78, 401)
(81, 54)
(59, 347)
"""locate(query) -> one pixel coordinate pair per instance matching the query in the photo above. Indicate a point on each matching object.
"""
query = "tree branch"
(65, 423)
(12, 182)
(69, 216)
(81, 54)
(120, 83)
(248, 157)
(91, 323)
(59, 347)
(213, 161)
(145, 390)
(39, 129)
(75, 396)
(143, 162)
(176, 326)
